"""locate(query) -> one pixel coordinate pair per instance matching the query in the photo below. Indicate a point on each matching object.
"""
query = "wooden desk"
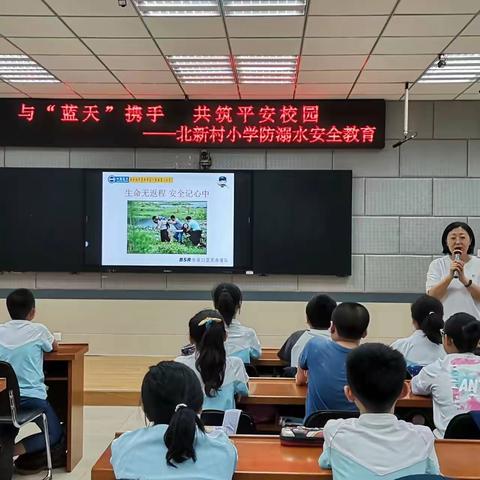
(64, 372)
(263, 391)
(283, 391)
(301, 463)
(274, 391)
(3, 384)
(269, 358)
(116, 380)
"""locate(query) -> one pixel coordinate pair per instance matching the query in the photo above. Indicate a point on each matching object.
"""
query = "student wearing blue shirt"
(241, 341)
(222, 378)
(22, 344)
(377, 445)
(324, 360)
(175, 446)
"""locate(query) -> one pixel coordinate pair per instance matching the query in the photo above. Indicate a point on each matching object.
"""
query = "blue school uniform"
(234, 383)
(242, 342)
(141, 455)
(22, 344)
(377, 446)
(325, 362)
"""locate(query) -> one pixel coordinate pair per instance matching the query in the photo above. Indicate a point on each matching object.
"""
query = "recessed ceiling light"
(453, 68)
(21, 68)
(194, 8)
(263, 7)
(178, 8)
(266, 69)
(202, 69)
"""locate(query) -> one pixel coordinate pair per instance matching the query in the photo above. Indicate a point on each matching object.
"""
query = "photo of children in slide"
(167, 227)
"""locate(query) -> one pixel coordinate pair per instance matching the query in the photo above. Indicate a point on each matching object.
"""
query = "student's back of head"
(172, 395)
(464, 331)
(207, 331)
(319, 311)
(350, 321)
(21, 304)
(227, 299)
(427, 312)
(376, 375)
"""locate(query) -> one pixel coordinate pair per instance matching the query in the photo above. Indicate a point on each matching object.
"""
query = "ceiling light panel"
(178, 8)
(202, 69)
(264, 8)
(266, 69)
(22, 69)
(457, 68)
(245, 8)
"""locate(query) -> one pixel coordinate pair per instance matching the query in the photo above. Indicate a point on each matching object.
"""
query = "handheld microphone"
(456, 258)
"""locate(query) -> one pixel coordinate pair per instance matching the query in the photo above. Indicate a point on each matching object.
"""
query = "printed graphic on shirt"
(465, 378)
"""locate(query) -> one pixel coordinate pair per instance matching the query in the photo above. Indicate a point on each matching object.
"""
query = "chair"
(320, 418)
(246, 425)
(463, 426)
(289, 372)
(10, 413)
(251, 370)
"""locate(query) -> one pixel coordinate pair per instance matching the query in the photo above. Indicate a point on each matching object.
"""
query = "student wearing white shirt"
(376, 445)
(453, 382)
(319, 318)
(175, 446)
(241, 341)
(424, 346)
(460, 294)
(22, 345)
(223, 378)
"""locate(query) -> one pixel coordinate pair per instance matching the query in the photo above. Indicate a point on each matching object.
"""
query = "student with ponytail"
(454, 381)
(241, 341)
(424, 346)
(222, 378)
(175, 445)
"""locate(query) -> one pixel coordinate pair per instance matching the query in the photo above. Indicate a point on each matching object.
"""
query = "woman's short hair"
(453, 226)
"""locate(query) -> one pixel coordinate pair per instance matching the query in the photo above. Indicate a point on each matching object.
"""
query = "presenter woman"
(455, 278)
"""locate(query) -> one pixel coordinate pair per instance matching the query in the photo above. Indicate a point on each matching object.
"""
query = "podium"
(64, 372)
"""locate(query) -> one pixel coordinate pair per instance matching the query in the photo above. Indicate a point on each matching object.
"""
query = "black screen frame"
(242, 246)
(316, 242)
(57, 255)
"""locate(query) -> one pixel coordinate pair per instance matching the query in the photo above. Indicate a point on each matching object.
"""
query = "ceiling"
(347, 48)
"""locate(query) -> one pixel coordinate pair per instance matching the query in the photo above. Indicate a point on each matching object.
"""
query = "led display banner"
(203, 124)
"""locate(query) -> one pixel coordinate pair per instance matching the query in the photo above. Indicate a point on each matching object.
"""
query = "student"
(424, 346)
(22, 344)
(319, 317)
(175, 445)
(222, 377)
(241, 341)
(377, 445)
(325, 360)
(454, 381)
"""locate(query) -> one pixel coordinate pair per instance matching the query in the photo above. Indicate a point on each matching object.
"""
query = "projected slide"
(167, 219)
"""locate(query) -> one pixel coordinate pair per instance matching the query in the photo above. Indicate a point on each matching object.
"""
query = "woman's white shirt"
(457, 298)
(418, 349)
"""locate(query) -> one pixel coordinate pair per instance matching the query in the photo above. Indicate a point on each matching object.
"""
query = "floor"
(100, 426)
